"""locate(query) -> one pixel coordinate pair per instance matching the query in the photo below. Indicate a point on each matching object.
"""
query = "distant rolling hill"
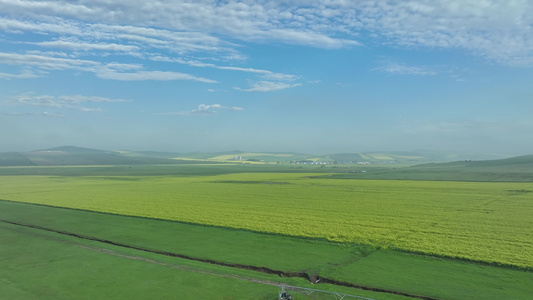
(415, 157)
(513, 164)
(70, 155)
(405, 157)
(518, 169)
(15, 159)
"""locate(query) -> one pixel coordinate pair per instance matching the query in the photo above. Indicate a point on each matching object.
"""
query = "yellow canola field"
(489, 222)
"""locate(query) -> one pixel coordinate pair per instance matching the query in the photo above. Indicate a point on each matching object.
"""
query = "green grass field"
(437, 239)
(486, 222)
(37, 265)
(169, 170)
(67, 263)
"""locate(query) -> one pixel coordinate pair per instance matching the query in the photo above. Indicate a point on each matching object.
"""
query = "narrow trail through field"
(181, 267)
(315, 279)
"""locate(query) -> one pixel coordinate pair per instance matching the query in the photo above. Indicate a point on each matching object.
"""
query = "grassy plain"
(76, 272)
(170, 170)
(37, 265)
(488, 222)
(41, 265)
(283, 217)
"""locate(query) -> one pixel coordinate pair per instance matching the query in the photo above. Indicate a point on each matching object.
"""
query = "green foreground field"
(433, 239)
(39, 264)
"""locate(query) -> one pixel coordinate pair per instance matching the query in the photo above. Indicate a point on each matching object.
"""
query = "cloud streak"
(75, 102)
(194, 63)
(403, 69)
(114, 71)
(22, 75)
(43, 114)
(78, 45)
(248, 21)
(149, 75)
(203, 109)
(267, 86)
(88, 36)
(497, 30)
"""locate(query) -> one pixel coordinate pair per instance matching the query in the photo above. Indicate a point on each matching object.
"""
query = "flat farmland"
(487, 222)
(59, 253)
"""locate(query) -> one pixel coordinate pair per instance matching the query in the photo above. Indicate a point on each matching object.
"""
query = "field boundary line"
(312, 279)
(321, 239)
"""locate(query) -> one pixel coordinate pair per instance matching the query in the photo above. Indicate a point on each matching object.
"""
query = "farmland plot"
(489, 222)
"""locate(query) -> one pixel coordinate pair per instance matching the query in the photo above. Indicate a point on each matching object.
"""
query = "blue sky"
(331, 76)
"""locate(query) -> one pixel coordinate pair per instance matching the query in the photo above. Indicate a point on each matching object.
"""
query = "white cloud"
(35, 100)
(78, 45)
(307, 38)
(52, 115)
(496, 30)
(149, 75)
(60, 102)
(403, 69)
(57, 26)
(174, 41)
(108, 71)
(79, 99)
(88, 109)
(500, 31)
(279, 76)
(195, 63)
(185, 23)
(23, 75)
(203, 109)
(47, 62)
(268, 86)
(123, 67)
(43, 114)
(206, 109)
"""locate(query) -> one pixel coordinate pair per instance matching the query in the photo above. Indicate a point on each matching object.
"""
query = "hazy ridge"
(71, 155)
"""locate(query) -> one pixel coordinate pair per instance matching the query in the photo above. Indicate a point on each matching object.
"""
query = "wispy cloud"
(279, 21)
(203, 109)
(266, 74)
(499, 31)
(404, 69)
(47, 62)
(206, 109)
(496, 30)
(114, 71)
(43, 114)
(57, 25)
(150, 75)
(79, 45)
(79, 99)
(268, 86)
(75, 102)
(25, 74)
